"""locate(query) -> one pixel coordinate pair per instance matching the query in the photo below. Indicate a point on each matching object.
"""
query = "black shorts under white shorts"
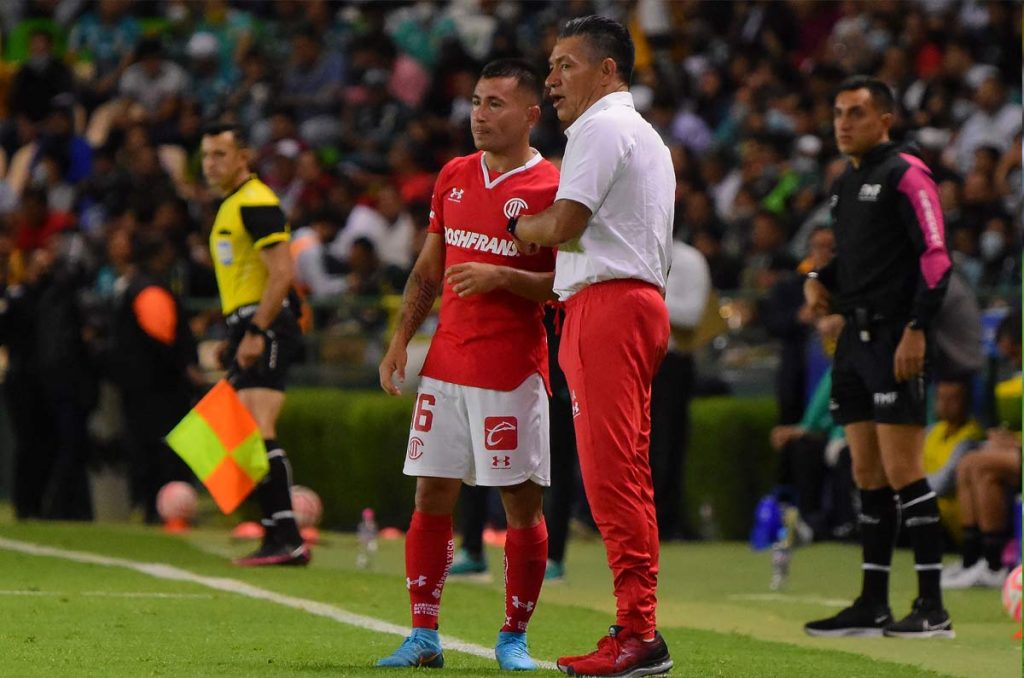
(281, 349)
(864, 387)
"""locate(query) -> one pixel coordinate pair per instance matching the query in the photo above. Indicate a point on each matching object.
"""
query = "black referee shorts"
(281, 348)
(863, 385)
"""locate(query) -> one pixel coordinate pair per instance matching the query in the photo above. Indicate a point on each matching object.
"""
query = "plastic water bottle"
(782, 549)
(367, 533)
(708, 524)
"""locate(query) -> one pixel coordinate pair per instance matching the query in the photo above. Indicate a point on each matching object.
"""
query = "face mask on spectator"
(991, 245)
(38, 63)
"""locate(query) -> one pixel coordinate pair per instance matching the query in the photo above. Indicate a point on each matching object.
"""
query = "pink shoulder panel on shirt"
(919, 188)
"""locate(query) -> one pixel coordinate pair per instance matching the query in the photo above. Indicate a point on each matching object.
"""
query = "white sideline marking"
(106, 594)
(163, 571)
(783, 598)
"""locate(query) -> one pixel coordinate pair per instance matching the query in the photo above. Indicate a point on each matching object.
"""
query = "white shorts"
(483, 437)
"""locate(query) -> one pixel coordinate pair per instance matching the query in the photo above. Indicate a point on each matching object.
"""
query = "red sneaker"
(270, 554)
(621, 654)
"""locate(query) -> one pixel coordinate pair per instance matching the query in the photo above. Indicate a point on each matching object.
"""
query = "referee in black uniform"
(888, 280)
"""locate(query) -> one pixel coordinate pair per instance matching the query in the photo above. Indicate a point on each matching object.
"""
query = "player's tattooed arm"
(417, 302)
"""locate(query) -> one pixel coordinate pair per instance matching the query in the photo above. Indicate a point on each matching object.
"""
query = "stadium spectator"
(37, 83)
(104, 38)
(687, 295)
(312, 87)
(994, 123)
(153, 362)
(986, 477)
(953, 434)
(612, 222)
(155, 83)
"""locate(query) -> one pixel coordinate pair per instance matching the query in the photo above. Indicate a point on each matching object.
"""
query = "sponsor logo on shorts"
(501, 433)
(889, 398)
(501, 462)
(415, 448)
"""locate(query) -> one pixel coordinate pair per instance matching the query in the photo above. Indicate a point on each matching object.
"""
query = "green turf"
(713, 612)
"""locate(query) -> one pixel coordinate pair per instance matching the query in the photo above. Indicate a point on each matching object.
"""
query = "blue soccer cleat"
(421, 648)
(512, 654)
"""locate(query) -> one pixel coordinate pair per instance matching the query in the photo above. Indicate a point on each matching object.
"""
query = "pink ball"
(1012, 594)
(177, 500)
(307, 506)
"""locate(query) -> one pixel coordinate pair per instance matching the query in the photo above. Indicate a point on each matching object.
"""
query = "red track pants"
(614, 338)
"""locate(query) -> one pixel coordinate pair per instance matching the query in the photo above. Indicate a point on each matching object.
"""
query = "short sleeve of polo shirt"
(593, 158)
(265, 224)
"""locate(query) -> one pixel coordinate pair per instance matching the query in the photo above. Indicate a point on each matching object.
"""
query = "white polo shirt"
(618, 167)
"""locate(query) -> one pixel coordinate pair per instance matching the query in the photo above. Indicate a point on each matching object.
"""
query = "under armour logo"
(456, 194)
(575, 405)
(419, 581)
(528, 605)
(501, 461)
(501, 433)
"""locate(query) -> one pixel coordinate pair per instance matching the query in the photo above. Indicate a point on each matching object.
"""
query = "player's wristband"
(812, 275)
(253, 328)
(511, 225)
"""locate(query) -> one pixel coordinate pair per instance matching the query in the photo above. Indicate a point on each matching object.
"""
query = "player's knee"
(869, 475)
(436, 496)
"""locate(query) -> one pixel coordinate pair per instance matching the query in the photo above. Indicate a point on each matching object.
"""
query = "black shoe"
(860, 619)
(927, 619)
(276, 554)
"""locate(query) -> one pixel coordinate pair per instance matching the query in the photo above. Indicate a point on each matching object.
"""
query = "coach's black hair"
(237, 131)
(526, 76)
(881, 95)
(607, 38)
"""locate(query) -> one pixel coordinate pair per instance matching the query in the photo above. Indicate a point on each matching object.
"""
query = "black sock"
(921, 518)
(992, 546)
(970, 550)
(878, 535)
(275, 498)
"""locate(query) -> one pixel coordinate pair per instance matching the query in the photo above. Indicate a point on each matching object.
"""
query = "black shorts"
(281, 349)
(864, 387)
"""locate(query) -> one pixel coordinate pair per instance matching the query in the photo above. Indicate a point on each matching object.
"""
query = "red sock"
(526, 555)
(428, 556)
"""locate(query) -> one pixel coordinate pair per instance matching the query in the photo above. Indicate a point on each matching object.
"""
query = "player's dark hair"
(881, 95)
(525, 75)
(237, 132)
(607, 38)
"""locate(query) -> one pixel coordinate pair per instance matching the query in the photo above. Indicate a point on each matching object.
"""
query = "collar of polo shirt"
(607, 101)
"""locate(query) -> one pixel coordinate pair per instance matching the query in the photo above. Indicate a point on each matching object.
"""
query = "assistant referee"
(888, 280)
(248, 242)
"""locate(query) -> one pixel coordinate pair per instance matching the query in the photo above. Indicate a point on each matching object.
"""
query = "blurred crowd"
(353, 106)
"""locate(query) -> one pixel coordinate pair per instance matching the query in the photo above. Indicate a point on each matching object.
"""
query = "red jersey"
(494, 340)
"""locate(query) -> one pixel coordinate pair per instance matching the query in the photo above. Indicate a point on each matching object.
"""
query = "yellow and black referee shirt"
(248, 220)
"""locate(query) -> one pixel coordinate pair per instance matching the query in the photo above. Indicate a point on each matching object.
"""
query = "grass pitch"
(64, 618)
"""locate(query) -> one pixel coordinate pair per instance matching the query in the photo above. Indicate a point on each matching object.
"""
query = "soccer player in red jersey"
(481, 414)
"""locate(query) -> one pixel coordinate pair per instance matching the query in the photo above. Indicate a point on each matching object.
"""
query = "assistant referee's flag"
(222, 444)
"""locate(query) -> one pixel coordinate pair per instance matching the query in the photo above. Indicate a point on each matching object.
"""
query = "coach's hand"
(817, 297)
(249, 350)
(393, 363)
(909, 359)
(475, 278)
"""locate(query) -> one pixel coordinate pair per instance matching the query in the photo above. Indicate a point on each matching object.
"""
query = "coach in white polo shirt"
(612, 224)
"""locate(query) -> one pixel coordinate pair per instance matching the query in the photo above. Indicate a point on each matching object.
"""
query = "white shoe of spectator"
(951, 573)
(976, 576)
